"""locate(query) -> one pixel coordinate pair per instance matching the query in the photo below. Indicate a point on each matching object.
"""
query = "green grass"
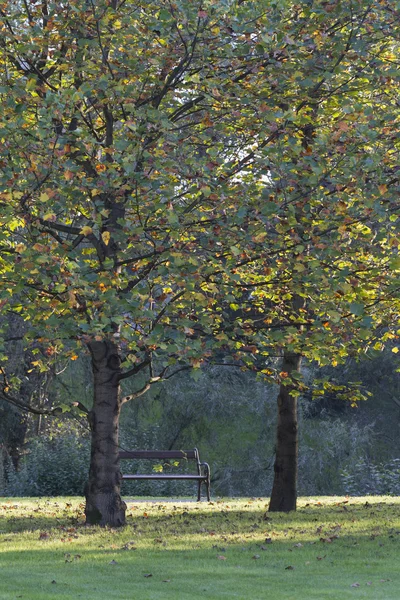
(200, 550)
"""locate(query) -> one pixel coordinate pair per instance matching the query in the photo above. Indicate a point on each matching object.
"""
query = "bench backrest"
(160, 454)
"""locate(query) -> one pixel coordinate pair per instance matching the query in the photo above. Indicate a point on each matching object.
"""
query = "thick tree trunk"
(104, 505)
(284, 490)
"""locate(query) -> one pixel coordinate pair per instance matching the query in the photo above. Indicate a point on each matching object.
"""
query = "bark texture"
(284, 490)
(104, 505)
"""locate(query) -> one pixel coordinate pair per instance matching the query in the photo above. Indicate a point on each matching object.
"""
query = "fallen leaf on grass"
(148, 575)
(268, 540)
(256, 556)
(129, 546)
(113, 562)
(289, 568)
(44, 535)
(69, 558)
(355, 585)
(166, 580)
(221, 557)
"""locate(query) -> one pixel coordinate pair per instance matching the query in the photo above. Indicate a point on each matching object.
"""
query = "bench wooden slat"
(167, 455)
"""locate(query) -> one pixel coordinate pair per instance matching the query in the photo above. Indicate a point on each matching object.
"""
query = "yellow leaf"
(44, 197)
(86, 230)
(395, 349)
(49, 217)
(106, 237)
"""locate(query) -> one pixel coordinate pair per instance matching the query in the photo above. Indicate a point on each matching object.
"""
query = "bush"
(55, 467)
(329, 446)
(369, 478)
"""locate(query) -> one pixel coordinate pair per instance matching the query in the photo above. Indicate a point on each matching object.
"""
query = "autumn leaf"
(105, 236)
(86, 230)
(49, 217)
(383, 188)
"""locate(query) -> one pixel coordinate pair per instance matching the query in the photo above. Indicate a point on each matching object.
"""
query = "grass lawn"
(332, 548)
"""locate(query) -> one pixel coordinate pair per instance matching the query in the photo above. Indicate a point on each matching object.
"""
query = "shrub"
(366, 477)
(51, 468)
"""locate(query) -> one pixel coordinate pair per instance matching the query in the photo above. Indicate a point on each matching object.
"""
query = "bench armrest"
(206, 468)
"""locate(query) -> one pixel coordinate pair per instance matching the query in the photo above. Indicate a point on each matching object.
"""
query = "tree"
(167, 194)
(326, 284)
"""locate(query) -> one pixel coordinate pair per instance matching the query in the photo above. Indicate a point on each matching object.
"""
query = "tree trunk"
(284, 489)
(104, 505)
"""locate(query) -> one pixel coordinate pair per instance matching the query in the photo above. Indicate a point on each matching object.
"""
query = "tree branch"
(134, 370)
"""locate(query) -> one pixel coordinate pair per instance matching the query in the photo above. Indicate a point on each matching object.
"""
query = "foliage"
(137, 134)
(328, 446)
(206, 551)
(51, 468)
(365, 477)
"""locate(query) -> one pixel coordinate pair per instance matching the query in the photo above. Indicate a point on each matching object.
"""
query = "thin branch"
(134, 370)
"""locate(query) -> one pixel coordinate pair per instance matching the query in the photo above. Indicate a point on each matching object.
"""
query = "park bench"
(202, 476)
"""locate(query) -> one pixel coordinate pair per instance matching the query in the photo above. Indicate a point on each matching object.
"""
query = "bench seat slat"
(166, 476)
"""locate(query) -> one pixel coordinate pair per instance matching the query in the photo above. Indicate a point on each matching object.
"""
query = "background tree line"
(232, 417)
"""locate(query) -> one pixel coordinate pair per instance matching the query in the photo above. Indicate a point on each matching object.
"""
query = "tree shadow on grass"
(314, 521)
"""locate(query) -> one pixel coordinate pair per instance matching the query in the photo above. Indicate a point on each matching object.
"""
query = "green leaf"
(357, 309)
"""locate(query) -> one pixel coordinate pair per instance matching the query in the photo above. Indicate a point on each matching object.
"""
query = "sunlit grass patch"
(330, 548)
